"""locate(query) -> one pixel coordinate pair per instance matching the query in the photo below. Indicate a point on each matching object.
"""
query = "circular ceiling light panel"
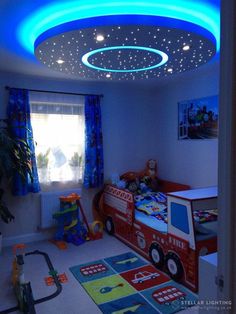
(128, 52)
(130, 40)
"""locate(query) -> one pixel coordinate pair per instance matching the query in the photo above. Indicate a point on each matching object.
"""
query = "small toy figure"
(149, 175)
(133, 186)
(143, 188)
(151, 169)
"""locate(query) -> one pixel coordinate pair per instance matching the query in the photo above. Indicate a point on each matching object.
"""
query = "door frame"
(227, 157)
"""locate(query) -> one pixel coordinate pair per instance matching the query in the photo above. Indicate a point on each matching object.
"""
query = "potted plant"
(15, 157)
(75, 163)
(42, 165)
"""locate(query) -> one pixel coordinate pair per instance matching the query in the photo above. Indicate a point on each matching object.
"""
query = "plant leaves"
(15, 157)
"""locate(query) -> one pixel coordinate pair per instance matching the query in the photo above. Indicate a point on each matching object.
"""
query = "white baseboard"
(27, 238)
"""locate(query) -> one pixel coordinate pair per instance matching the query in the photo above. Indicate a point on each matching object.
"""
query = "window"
(58, 128)
(179, 217)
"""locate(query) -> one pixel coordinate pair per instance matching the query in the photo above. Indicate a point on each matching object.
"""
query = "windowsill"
(60, 186)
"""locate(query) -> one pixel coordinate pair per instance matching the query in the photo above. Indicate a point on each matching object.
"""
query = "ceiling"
(133, 47)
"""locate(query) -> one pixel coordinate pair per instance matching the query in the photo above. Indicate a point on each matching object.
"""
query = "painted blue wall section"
(201, 13)
(179, 217)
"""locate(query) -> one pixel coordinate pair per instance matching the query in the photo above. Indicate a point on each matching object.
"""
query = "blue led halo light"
(57, 13)
(93, 52)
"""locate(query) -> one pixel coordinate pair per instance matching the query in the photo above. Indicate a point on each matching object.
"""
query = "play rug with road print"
(128, 284)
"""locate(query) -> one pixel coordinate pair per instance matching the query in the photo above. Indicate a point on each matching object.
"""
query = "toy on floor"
(71, 226)
(22, 288)
(50, 280)
(25, 299)
(96, 230)
(62, 245)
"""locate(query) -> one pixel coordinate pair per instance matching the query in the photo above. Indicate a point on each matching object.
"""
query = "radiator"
(50, 203)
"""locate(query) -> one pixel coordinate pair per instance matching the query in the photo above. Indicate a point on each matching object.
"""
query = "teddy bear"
(149, 175)
(151, 168)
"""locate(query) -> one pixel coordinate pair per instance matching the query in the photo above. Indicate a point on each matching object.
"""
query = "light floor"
(73, 298)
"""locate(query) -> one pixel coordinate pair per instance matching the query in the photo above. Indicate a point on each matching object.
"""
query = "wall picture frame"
(198, 118)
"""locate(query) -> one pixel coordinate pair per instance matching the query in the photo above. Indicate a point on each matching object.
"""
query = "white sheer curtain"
(58, 126)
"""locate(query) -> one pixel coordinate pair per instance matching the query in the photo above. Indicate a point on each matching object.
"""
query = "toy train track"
(27, 292)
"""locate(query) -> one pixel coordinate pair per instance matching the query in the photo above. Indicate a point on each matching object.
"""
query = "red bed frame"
(167, 251)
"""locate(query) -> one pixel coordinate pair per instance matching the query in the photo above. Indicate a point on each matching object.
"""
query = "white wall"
(126, 115)
(139, 122)
(193, 162)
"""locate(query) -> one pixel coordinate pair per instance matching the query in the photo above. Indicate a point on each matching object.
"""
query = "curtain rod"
(55, 92)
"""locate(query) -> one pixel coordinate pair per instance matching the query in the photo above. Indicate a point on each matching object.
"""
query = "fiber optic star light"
(120, 53)
(157, 31)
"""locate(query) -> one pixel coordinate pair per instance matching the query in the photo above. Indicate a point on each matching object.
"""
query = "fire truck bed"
(196, 194)
(161, 226)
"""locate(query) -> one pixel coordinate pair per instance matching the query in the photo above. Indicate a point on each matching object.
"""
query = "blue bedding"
(151, 210)
(151, 203)
(151, 221)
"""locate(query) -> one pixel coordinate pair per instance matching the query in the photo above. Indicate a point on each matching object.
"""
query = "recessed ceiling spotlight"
(108, 75)
(60, 61)
(170, 70)
(186, 47)
(100, 37)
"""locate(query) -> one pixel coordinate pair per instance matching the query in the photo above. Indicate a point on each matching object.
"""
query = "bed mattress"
(151, 210)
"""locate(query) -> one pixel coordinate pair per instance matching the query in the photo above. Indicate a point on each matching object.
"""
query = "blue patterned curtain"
(19, 122)
(93, 173)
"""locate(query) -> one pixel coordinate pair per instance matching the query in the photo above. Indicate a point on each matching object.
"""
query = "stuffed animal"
(149, 175)
(121, 184)
(143, 188)
(133, 186)
(151, 168)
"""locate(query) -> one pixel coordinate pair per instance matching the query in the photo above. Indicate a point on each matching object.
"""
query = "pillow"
(151, 203)
(151, 196)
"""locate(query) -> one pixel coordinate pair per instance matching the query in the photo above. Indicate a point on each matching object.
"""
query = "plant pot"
(75, 173)
(43, 175)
